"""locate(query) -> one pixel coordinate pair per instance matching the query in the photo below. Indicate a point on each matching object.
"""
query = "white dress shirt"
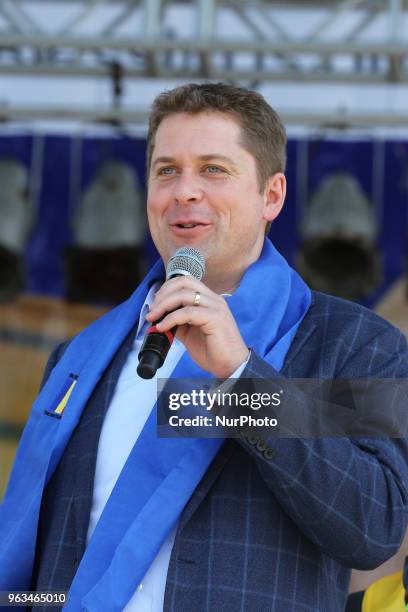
(129, 409)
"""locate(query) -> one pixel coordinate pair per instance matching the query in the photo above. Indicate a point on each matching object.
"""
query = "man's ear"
(274, 196)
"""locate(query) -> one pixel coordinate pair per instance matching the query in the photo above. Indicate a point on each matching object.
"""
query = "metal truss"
(100, 38)
(256, 42)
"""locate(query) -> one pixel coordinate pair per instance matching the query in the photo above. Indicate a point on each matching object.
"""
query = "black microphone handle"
(154, 351)
(155, 347)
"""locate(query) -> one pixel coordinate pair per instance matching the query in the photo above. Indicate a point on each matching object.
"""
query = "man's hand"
(208, 331)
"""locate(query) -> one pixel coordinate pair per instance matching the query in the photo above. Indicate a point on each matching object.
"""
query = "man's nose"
(188, 189)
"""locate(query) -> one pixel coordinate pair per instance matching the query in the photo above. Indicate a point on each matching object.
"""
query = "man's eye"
(214, 169)
(166, 171)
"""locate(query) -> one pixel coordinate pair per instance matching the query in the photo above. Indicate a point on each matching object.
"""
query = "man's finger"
(182, 282)
(185, 297)
(188, 315)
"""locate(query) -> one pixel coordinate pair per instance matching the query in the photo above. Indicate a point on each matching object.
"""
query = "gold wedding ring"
(197, 299)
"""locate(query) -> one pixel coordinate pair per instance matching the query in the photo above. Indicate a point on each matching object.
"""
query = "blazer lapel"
(206, 482)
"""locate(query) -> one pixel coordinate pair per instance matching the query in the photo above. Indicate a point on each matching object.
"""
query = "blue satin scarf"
(160, 474)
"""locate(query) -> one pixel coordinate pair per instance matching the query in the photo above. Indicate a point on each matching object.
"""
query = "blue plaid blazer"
(274, 524)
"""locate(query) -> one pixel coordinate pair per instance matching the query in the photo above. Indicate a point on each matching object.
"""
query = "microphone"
(185, 262)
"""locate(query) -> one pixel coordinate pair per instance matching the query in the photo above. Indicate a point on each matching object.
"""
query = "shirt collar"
(145, 308)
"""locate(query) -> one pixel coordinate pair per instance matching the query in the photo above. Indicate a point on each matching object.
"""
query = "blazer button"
(253, 439)
(269, 453)
(261, 445)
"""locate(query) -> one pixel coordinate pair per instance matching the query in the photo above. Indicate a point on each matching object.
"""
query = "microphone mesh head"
(186, 261)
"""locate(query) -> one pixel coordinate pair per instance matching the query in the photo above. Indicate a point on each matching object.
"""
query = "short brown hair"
(263, 133)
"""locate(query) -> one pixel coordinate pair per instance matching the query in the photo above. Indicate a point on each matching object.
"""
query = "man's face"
(203, 192)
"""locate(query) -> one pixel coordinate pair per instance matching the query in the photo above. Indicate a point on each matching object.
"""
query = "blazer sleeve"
(347, 495)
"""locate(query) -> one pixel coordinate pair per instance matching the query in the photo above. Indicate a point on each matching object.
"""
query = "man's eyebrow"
(216, 156)
(163, 159)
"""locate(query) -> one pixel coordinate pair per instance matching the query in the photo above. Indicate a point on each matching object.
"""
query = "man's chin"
(201, 246)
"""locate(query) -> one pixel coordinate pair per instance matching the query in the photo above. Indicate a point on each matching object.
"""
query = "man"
(130, 521)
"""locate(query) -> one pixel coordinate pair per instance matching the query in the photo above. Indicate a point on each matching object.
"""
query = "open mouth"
(188, 225)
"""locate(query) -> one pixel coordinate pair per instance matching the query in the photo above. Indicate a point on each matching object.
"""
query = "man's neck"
(222, 285)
